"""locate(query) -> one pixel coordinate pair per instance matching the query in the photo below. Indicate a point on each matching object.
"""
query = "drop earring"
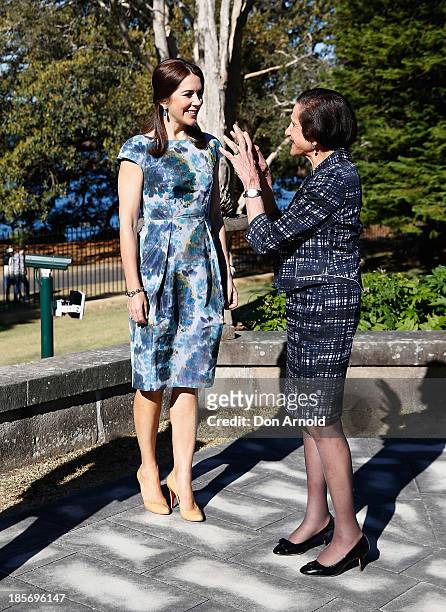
(166, 113)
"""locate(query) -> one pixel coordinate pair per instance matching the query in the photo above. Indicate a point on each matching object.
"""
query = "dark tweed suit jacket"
(316, 239)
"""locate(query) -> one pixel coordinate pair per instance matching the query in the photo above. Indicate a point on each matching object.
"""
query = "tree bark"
(218, 55)
(161, 29)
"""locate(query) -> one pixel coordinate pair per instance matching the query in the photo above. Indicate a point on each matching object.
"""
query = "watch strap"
(258, 192)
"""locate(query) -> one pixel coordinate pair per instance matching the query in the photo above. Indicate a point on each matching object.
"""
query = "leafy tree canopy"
(390, 64)
(76, 82)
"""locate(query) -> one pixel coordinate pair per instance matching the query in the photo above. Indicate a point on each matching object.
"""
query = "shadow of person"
(74, 498)
(413, 442)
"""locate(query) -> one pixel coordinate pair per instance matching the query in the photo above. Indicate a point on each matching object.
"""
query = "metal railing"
(97, 269)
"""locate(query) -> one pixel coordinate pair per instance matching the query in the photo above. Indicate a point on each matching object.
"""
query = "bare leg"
(316, 514)
(183, 417)
(335, 456)
(146, 413)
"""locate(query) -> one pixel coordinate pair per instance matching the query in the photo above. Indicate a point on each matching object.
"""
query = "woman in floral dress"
(178, 278)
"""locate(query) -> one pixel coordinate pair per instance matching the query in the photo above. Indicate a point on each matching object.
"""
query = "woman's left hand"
(231, 299)
(242, 157)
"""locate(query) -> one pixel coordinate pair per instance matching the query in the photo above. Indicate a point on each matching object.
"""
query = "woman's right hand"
(138, 308)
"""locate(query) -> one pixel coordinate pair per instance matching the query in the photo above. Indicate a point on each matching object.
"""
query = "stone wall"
(65, 403)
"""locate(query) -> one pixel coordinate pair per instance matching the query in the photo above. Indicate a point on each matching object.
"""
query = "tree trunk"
(218, 55)
(161, 29)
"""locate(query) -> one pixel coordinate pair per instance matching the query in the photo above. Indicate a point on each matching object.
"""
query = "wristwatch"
(252, 193)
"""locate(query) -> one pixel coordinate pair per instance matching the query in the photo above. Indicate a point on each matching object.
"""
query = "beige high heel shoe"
(188, 515)
(152, 506)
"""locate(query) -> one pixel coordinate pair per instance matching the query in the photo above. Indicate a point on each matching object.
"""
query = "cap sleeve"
(134, 150)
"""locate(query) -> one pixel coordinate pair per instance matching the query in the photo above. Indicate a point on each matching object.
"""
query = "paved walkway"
(102, 550)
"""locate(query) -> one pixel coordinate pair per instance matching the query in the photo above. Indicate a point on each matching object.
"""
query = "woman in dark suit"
(316, 240)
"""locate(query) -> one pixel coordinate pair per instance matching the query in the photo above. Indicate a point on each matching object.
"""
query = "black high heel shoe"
(355, 554)
(285, 547)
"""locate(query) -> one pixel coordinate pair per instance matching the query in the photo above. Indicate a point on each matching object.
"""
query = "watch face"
(252, 193)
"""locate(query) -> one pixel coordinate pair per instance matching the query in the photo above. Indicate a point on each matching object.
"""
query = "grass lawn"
(105, 323)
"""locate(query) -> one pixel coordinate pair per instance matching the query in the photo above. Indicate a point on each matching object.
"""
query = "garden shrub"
(390, 301)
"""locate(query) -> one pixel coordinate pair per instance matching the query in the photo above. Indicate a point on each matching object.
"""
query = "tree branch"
(295, 60)
(123, 28)
(272, 156)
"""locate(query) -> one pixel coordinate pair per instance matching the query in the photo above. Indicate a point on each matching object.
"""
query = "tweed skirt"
(321, 322)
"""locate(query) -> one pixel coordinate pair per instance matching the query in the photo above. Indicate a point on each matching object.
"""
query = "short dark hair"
(327, 117)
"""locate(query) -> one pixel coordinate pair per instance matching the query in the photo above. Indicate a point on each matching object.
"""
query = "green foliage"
(76, 81)
(69, 96)
(266, 313)
(389, 302)
(390, 64)
(401, 301)
(275, 34)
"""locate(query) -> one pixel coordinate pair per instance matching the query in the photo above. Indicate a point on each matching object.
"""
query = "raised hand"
(243, 157)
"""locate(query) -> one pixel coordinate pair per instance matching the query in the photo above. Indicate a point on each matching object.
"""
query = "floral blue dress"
(178, 265)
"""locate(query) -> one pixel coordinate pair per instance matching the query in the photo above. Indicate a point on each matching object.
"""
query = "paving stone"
(397, 554)
(283, 528)
(416, 450)
(342, 605)
(14, 564)
(235, 469)
(407, 520)
(239, 586)
(421, 598)
(364, 445)
(67, 605)
(14, 586)
(210, 451)
(239, 509)
(262, 558)
(94, 505)
(293, 468)
(384, 476)
(212, 606)
(214, 536)
(292, 494)
(121, 546)
(432, 478)
(107, 587)
(372, 586)
(24, 532)
(116, 554)
(375, 445)
(224, 476)
(431, 569)
(254, 449)
(436, 510)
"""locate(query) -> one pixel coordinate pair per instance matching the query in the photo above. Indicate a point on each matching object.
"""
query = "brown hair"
(166, 78)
